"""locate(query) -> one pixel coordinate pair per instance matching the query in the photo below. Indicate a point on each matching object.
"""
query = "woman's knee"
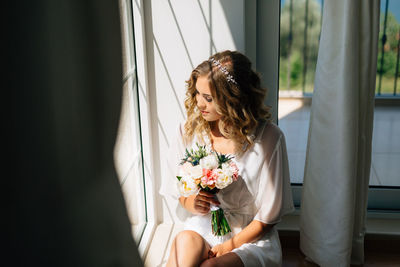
(188, 237)
(189, 246)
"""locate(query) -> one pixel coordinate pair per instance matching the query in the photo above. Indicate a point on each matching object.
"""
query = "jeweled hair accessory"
(229, 77)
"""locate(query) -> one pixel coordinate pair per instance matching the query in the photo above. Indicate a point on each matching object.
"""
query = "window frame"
(140, 115)
(137, 8)
(383, 201)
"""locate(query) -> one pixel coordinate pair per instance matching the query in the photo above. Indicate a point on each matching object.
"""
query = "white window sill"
(383, 223)
(160, 246)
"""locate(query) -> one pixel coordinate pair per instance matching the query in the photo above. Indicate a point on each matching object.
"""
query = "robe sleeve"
(274, 198)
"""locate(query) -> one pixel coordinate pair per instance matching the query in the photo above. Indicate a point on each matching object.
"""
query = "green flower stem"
(219, 224)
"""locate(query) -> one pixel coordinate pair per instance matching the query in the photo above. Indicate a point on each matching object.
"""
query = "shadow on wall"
(66, 206)
(165, 32)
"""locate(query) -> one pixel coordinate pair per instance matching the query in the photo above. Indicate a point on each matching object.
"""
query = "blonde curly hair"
(240, 103)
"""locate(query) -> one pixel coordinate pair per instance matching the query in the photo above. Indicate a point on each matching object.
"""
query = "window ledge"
(161, 244)
(382, 223)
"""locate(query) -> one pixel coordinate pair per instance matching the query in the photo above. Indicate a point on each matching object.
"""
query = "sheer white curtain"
(338, 157)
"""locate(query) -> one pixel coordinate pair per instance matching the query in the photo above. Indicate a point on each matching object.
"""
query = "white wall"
(179, 35)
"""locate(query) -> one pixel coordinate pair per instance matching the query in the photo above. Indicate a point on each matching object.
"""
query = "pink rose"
(209, 177)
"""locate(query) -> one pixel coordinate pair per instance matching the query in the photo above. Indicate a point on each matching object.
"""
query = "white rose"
(185, 168)
(210, 162)
(226, 168)
(182, 171)
(187, 186)
(188, 169)
(223, 179)
(196, 172)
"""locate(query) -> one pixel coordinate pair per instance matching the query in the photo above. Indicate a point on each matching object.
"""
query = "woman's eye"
(208, 99)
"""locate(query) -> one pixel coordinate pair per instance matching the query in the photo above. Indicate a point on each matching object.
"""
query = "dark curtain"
(63, 203)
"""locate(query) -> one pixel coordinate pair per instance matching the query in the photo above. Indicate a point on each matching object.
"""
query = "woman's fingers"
(201, 206)
(203, 200)
(208, 197)
(211, 254)
(202, 210)
(215, 201)
(205, 193)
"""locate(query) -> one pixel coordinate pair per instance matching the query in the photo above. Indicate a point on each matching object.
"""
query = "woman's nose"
(201, 103)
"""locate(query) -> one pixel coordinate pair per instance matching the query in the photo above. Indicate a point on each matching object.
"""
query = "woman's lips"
(204, 112)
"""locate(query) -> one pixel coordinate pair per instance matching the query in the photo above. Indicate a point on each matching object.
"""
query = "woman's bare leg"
(229, 259)
(188, 249)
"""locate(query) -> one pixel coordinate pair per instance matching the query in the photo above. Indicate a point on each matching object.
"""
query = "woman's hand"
(221, 249)
(202, 201)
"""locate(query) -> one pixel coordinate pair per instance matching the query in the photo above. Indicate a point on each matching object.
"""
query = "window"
(301, 22)
(132, 149)
(128, 151)
(385, 168)
(299, 40)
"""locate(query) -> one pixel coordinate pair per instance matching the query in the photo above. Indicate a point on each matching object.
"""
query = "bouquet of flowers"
(209, 171)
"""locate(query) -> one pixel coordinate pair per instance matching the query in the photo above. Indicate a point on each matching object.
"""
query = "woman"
(225, 112)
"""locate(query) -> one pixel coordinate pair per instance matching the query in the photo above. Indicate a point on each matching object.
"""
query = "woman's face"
(205, 101)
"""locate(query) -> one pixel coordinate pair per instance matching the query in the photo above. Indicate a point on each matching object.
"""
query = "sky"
(394, 7)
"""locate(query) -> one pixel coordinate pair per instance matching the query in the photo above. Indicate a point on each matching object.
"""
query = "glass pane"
(300, 21)
(385, 167)
(128, 148)
(299, 41)
(389, 30)
(385, 161)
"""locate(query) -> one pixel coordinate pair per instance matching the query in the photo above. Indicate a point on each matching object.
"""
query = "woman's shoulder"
(268, 131)
(269, 138)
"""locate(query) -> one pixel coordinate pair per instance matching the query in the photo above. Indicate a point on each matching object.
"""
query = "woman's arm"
(200, 203)
(251, 233)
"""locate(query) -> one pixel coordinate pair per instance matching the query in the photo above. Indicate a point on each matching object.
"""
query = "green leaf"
(194, 156)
